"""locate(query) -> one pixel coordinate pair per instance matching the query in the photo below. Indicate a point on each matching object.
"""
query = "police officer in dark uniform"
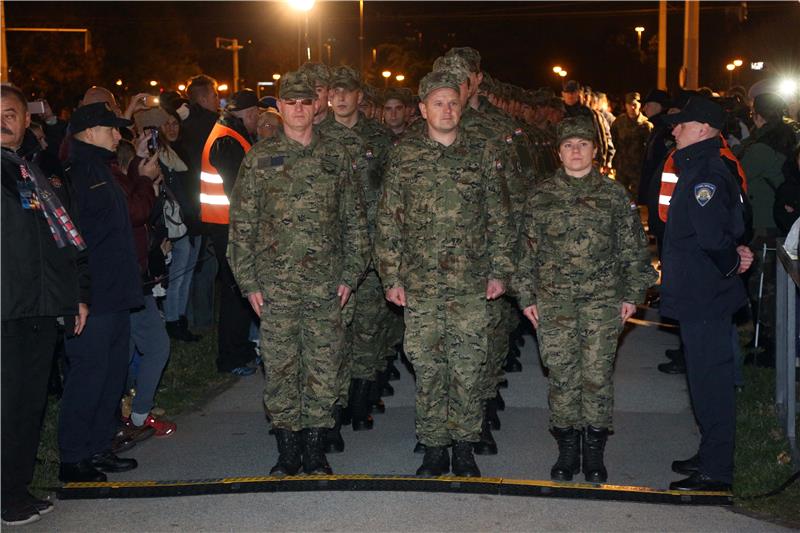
(701, 289)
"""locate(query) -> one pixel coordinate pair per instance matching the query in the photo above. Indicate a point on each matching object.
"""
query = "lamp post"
(303, 48)
(233, 46)
(639, 30)
(730, 67)
(386, 75)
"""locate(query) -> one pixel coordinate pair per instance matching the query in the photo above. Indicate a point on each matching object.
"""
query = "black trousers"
(710, 372)
(94, 380)
(28, 347)
(235, 313)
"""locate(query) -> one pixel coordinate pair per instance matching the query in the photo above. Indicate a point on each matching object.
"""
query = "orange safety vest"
(214, 202)
(669, 178)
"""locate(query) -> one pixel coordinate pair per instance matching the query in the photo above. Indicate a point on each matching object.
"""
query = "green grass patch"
(762, 451)
(190, 379)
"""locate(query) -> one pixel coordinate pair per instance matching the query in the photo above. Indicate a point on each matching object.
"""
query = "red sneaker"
(164, 428)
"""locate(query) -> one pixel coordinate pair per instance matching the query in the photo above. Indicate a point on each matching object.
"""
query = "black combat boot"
(463, 461)
(594, 444)
(394, 374)
(435, 463)
(491, 414)
(501, 403)
(569, 454)
(334, 443)
(374, 402)
(486, 445)
(288, 453)
(383, 382)
(314, 460)
(419, 447)
(359, 405)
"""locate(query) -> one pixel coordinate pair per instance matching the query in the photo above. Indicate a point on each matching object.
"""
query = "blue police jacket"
(706, 218)
(106, 228)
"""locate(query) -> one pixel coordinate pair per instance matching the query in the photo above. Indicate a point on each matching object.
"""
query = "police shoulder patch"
(704, 192)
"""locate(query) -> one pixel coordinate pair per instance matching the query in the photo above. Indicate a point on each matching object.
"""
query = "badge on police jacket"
(704, 192)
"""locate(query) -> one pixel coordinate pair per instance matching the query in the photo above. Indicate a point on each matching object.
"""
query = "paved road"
(228, 437)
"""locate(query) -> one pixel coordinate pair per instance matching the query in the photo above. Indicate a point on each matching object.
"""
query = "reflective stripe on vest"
(669, 178)
(214, 203)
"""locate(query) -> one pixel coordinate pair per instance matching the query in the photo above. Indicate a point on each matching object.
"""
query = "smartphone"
(152, 140)
(151, 101)
(36, 107)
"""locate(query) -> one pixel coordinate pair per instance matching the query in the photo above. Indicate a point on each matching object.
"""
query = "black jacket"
(705, 222)
(227, 154)
(39, 279)
(194, 132)
(106, 228)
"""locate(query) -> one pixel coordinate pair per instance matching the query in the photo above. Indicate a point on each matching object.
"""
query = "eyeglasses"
(304, 101)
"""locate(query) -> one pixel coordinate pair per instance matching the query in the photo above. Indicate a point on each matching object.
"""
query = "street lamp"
(730, 67)
(153, 83)
(399, 77)
(303, 6)
(386, 75)
(276, 76)
(639, 30)
(562, 73)
(119, 82)
(222, 87)
(737, 63)
(181, 87)
(556, 69)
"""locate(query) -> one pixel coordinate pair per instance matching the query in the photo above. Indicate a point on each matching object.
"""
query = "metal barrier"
(787, 273)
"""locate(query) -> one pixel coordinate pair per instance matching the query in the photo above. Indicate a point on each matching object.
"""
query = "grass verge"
(762, 452)
(190, 379)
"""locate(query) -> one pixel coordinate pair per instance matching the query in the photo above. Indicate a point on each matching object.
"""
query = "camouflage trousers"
(368, 338)
(302, 338)
(446, 342)
(500, 313)
(578, 344)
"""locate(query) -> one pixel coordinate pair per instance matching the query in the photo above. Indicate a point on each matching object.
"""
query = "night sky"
(519, 41)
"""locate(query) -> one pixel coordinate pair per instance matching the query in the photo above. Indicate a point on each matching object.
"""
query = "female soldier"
(583, 264)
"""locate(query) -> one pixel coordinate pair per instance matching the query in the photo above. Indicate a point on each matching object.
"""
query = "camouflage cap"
(581, 127)
(397, 93)
(437, 80)
(454, 64)
(346, 77)
(317, 73)
(472, 56)
(295, 85)
(371, 94)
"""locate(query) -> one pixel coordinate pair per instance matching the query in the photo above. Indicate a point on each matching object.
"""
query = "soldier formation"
(430, 234)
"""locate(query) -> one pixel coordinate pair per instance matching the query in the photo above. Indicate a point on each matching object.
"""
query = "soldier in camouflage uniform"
(442, 243)
(319, 75)
(630, 132)
(298, 245)
(368, 344)
(583, 264)
(395, 110)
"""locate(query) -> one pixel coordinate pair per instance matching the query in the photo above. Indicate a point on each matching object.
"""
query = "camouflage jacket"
(581, 238)
(443, 218)
(297, 216)
(368, 144)
(630, 140)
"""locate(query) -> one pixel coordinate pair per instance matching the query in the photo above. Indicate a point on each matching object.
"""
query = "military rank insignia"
(509, 139)
(704, 192)
(369, 153)
(498, 164)
(518, 132)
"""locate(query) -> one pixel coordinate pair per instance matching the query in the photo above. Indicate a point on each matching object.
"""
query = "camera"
(152, 140)
(150, 101)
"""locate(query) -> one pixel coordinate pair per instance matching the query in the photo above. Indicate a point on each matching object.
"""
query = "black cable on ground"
(445, 484)
(777, 490)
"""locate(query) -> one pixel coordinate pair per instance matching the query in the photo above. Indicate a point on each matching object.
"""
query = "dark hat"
(699, 109)
(571, 86)
(437, 80)
(769, 105)
(581, 127)
(96, 114)
(268, 101)
(243, 99)
(658, 96)
(346, 77)
(683, 97)
(632, 97)
(172, 100)
(296, 85)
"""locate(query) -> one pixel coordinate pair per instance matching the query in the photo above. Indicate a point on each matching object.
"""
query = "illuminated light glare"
(638, 29)
(276, 76)
(223, 87)
(787, 87)
(757, 65)
(153, 83)
(119, 83)
(386, 74)
(399, 77)
(730, 66)
(738, 62)
(181, 87)
(563, 73)
(557, 69)
(301, 5)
